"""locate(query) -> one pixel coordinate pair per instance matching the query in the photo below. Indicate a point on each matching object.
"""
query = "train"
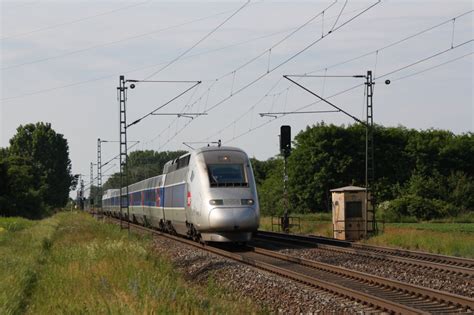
(208, 194)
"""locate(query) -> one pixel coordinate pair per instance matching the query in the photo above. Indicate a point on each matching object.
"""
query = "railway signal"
(285, 149)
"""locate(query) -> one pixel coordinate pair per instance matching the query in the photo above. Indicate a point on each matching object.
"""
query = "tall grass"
(23, 247)
(447, 242)
(447, 237)
(95, 268)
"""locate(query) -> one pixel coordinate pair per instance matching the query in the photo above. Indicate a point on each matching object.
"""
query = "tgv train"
(208, 194)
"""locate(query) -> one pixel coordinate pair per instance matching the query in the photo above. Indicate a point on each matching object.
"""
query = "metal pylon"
(124, 204)
(369, 155)
(99, 173)
(91, 186)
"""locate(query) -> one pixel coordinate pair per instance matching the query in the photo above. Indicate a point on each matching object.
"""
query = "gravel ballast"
(434, 279)
(273, 293)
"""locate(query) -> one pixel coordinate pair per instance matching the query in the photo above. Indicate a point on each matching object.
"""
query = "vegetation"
(446, 238)
(35, 172)
(439, 238)
(419, 174)
(23, 249)
(72, 264)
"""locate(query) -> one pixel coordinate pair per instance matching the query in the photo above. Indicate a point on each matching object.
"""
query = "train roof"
(215, 148)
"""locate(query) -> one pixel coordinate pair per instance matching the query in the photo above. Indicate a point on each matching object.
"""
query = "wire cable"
(431, 68)
(362, 84)
(82, 50)
(277, 66)
(198, 42)
(141, 68)
(73, 21)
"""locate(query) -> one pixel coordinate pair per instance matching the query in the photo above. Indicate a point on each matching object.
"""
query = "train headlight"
(247, 202)
(216, 202)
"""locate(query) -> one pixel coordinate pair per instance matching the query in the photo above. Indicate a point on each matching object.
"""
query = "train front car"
(221, 195)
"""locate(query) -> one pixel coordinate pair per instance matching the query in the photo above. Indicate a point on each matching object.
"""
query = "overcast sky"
(61, 61)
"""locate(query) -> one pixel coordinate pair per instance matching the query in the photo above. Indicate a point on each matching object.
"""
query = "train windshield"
(227, 175)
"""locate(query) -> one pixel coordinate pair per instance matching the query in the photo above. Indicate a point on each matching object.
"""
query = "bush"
(417, 207)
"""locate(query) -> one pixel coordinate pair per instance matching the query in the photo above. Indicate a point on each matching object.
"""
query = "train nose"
(232, 219)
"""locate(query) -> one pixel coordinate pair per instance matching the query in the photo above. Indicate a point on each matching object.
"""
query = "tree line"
(423, 174)
(35, 172)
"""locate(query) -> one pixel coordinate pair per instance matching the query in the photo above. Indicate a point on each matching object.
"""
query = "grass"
(23, 247)
(445, 237)
(452, 239)
(84, 266)
(437, 227)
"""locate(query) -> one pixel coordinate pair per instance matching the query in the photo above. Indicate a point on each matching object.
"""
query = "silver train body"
(208, 194)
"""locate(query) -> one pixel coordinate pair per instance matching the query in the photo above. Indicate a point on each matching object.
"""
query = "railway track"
(447, 264)
(378, 293)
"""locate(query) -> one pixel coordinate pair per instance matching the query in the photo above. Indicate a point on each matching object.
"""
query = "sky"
(61, 62)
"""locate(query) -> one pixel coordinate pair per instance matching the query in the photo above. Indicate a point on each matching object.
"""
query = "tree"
(39, 169)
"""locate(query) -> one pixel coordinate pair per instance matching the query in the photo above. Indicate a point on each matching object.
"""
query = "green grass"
(84, 266)
(14, 224)
(23, 247)
(437, 227)
(447, 237)
(452, 239)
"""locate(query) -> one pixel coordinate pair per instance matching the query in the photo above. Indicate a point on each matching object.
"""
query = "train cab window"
(227, 175)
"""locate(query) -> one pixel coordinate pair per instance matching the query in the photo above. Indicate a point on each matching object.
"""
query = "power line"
(361, 84)
(282, 63)
(73, 21)
(433, 67)
(394, 43)
(198, 42)
(291, 57)
(250, 61)
(141, 68)
(196, 83)
(425, 59)
(361, 56)
(73, 84)
(78, 51)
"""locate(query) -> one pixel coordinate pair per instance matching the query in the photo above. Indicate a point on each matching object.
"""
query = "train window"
(183, 162)
(353, 209)
(226, 175)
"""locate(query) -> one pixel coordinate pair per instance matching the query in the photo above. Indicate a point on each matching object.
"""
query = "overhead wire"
(233, 72)
(431, 68)
(198, 42)
(362, 84)
(141, 68)
(73, 21)
(281, 63)
(126, 39)
(382, 48)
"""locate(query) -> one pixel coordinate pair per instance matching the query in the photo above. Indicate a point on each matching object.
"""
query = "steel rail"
(441, 297)
(367, 252)
(417, 255)
(453, 302)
